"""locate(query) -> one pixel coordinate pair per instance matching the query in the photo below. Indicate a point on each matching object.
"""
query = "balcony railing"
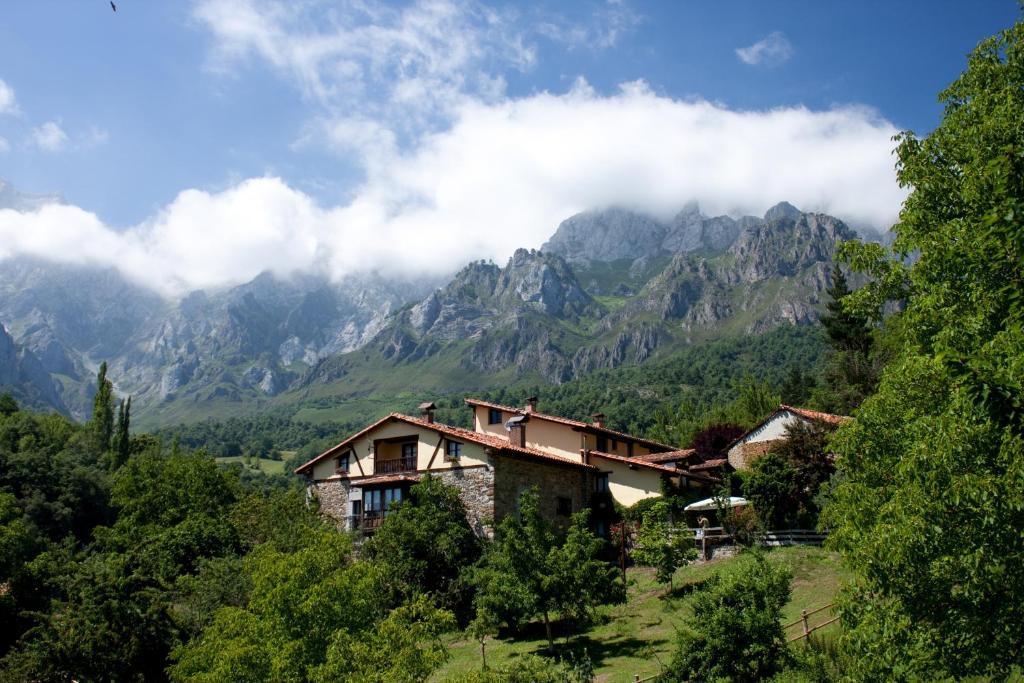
(367, 522)
(392, 465)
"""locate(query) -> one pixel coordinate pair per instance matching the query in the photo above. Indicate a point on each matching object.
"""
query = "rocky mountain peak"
(783, 211)
(543, 280)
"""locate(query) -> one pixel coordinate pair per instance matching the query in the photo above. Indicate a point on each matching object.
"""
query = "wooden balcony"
(393, 465)
(368, 522)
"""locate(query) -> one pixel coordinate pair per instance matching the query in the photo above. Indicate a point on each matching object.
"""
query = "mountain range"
(610, 287)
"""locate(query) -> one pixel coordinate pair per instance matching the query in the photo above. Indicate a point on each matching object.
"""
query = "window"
(602, 444)
(357, 508)
(601, 482)
(343, 461)
(452, 450)
(378, 500)
(409, 454)
(563, 506)
(494, 416)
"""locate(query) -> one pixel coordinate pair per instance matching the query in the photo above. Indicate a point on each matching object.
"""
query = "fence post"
(803, 617)
(636, 678)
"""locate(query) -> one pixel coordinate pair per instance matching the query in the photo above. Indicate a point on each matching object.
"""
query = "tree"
(927, 508)
(529, 571)
(662, 545)
(426, 544)
(121, 442)
(735, 633)
(847, 330)
(798, 386)
(783, 485)
(852, 368)
(771, 487)
(103, 409)
(8, 406)
(712, 441)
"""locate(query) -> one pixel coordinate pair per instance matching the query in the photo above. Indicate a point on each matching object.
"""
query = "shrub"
(735, 632)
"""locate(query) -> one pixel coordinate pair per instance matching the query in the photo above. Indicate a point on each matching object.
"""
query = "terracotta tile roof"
(815, 415)
(664, 469)
(827, 418)
(490, 441)
(571, 423)
(486, 440)
(670, 456)
(385, 479)
(636, 462)
(709, 464)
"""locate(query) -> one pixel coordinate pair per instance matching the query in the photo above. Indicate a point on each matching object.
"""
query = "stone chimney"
(598, 419)
(516, 427)
(427, 411)
(531, 404)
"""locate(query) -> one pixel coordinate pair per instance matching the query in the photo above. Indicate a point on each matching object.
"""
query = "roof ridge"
(566, 420)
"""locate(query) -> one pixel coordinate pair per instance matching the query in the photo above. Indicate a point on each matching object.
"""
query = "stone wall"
(512, 476)
(333, 498)
(476, 489)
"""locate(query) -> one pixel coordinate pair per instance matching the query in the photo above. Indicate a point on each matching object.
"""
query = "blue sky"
(165, 121)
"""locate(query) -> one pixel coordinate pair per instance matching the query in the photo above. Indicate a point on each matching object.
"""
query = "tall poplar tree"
(121, 442)
(103, 409)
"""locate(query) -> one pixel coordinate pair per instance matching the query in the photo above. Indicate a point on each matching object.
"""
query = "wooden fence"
(804, 623)
(791, 537)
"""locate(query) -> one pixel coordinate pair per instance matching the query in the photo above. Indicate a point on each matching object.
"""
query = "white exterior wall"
(774, 429)
(427, 441)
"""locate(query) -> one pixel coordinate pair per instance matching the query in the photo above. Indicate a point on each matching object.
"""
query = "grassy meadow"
(636, 637)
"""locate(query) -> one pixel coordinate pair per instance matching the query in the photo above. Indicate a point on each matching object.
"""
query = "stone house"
(357, 480)
(630, 468)
(573, 464)
(768, 433)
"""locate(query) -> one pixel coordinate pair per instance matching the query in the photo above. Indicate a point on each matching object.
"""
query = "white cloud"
(4, 145)
(771, 50)
(411, 65)
(501, 176)
(606, 26)
(49, 137)
(8, 104)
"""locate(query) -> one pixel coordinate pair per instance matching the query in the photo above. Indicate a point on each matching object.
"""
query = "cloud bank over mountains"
(455, 168)
(501, 177)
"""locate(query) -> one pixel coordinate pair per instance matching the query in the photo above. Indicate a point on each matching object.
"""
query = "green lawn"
(634, 637)
(264, 464)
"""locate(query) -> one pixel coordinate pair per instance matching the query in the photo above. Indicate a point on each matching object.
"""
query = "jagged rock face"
(668, 282)
(630, 346)
(508, 314)
(774, 273)
(72, 318)
(608, 235)
(23, 375)
(619, 234)
(785, 244)
(546, 281)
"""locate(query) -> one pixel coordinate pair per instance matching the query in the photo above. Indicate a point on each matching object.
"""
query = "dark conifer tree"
(797, 386)
(846, 331)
